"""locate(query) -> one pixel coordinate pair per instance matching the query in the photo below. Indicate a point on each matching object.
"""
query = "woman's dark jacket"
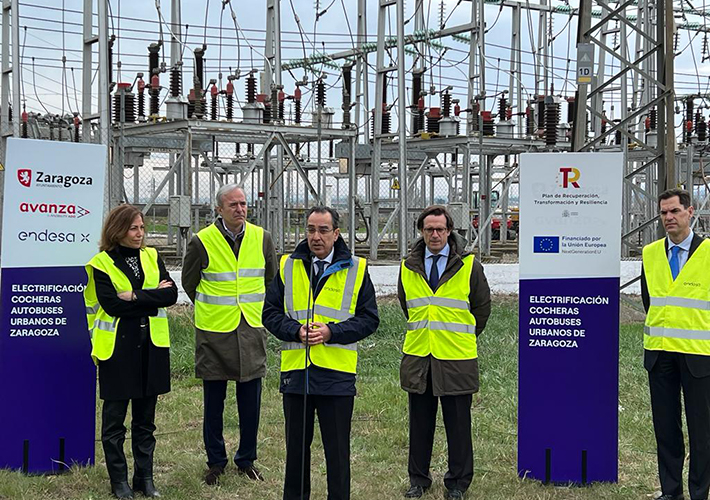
(137, 368)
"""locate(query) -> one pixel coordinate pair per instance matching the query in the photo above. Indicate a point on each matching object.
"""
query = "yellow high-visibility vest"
(678, 318)
(102, 326)
(440, 323)
(231, 286)
(336, 302)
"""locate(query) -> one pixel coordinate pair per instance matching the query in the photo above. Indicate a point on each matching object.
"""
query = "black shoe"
(251, 472)
(145, 486)
(212, 475)
(671, 497)
(415, 491)
(121, 490)
(453, 494)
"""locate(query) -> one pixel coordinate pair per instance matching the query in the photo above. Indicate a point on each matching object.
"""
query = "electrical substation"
(412, 103)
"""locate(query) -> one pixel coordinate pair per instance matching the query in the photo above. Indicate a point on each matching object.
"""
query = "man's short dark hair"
(435, 210)
(682, 194)
(322, 209)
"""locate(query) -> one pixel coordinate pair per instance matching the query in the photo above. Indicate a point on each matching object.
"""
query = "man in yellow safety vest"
(445, 297)
(227, 268)
(322, 298)
(675, 288)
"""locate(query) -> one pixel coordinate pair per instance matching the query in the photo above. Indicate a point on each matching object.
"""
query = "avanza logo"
(52, 180)
(54, 209)
(24, 176)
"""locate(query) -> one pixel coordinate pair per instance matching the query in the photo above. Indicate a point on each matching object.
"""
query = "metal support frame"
(655, 76)
(402, 97)
(10, 71)
(352, 193)
(89, 39)
(104, 129)
(174, 167)
(515, 89)
(380, 75)
(10, 79)
(362, 108)
(419, 66)
(273, 195)
(176, 36)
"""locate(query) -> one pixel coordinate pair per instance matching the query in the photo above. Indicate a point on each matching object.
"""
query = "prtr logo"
(570, 176)
(24, 175)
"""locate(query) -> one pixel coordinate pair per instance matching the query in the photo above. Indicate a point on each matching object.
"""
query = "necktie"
(675, 261)
(320, 267)
(434, 274)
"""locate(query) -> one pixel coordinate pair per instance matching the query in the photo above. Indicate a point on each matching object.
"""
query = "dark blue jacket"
(321, 381)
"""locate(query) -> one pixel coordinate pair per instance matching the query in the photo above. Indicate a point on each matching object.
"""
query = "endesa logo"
(570, 176)
(24, 176)
(54, 209)
(53, 236)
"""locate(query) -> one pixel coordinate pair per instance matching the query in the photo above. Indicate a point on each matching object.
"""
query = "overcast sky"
(52, 32)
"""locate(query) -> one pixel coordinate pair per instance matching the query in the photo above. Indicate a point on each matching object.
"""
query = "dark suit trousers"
(334, 417)
(248, 407)
(113, 435)
(456, 411)
(668, 375)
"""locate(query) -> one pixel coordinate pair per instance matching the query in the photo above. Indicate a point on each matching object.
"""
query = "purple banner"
(568, 380)
(47, 378)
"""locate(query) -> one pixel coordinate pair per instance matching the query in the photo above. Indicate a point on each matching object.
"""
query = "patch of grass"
(380, 428)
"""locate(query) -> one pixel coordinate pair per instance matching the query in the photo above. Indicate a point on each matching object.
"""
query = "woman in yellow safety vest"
(126, 296)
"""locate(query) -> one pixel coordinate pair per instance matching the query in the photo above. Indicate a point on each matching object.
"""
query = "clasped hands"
(128, 296)
(318, 333)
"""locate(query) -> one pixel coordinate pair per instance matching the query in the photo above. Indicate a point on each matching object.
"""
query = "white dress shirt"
(328, 260)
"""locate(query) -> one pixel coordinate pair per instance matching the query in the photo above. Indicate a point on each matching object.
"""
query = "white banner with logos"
(53, 207)
(568, 350)
(570, 206)
(52, 217)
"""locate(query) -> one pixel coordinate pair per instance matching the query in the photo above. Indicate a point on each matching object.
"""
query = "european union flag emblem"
(546, 244)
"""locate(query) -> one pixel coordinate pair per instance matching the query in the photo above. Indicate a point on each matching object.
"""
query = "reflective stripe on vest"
(231, 286)
(678, 318)
(336, 302)
(440, 323)
(102, 326)
(680, 302)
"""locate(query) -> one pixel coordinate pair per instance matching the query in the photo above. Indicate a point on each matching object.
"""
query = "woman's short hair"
(116, 226)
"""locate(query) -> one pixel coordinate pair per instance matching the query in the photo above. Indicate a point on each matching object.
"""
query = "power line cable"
(34, 84)
(22, 56)
(234, 20)
(207, 9)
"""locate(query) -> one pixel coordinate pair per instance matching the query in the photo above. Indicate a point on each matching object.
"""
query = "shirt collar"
(329, 258)
(230, 233)
(684, 245)
(444, 252)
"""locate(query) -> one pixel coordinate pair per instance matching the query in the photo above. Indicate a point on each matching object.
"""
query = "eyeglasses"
(320, 230)
(431, 230)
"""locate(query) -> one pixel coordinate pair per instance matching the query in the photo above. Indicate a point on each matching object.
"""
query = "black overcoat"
(137, 368)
